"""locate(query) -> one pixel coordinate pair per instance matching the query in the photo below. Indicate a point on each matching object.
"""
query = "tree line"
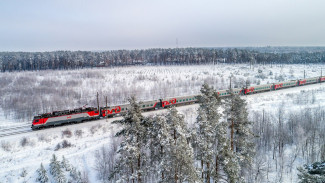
(163, 148)
(22, 61)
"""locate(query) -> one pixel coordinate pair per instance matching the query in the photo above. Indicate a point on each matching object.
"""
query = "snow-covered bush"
(95, 128)
(24, 141)
(78, 133)
(6, 146)
(62, 145)
(23, 173)
(66, 133)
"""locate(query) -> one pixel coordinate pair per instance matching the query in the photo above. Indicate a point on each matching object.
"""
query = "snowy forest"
(218, 147)
(22, 61)
(163, 148)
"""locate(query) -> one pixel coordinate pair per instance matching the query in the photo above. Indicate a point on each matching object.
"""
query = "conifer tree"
(160, 148)
(56, 171)
(75, 175)
(131, 153)
(230, 164)
(241, 135)
(42, 175)
(313, 173)
(182, 163)
(210, 134)
(65, 164)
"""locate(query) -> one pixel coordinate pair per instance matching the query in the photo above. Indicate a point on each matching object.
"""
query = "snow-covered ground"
(16, 157)
(25, 94)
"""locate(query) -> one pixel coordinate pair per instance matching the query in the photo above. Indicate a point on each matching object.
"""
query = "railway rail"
(15, 132)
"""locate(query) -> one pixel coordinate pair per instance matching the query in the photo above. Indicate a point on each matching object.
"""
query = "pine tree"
(210, 134)
(42, 175)
(75, 175)
(56, 171)
(130, 165)
(160, 148)
(65, 164)
(241, 135)
(182, 159)
(230, 164)
(305, 177)
(314, 173)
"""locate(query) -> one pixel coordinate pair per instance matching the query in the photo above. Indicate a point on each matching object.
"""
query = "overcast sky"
(41, 25)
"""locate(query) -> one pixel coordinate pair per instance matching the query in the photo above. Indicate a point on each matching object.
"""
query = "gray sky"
(48, 25)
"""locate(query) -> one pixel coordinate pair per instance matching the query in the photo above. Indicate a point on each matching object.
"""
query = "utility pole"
(97, 102)
(246, 83)
(304, 74)
(106, 110)
(230, 83)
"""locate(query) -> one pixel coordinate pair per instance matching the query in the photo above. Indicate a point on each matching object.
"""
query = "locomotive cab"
(36, 119)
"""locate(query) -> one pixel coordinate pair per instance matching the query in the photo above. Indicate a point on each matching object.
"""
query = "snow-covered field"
(25, 152)
(26, 94)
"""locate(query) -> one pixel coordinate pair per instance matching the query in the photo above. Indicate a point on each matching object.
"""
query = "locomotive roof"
(58, 113)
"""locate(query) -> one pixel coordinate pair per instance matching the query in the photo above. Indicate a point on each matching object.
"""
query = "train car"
(176, 101)
(122, 109)
(288, 84)
(263, 88)
(238, 91)
(224, 93)
(277, 86)
(111, 110)
(149, 105)
(301, 82)
(322, 79)
(63, 117)
(312, 80)
(249, 90)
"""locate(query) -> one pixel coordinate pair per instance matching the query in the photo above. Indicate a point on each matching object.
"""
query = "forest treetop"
(20, 61)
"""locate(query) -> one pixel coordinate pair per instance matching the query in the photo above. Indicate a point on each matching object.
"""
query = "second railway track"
(15, 132)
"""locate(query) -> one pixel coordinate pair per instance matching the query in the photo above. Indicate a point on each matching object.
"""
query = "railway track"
(15, 132)
(4, 132)
(14, 128)
(8, 131)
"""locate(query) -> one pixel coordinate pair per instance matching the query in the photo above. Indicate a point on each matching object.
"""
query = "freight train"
(85, 114)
